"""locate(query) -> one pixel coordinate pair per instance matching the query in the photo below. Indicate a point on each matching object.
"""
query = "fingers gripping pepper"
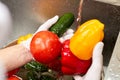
(70, 63)
(85, 38)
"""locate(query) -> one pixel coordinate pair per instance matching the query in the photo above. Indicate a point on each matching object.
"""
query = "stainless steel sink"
(29, 15)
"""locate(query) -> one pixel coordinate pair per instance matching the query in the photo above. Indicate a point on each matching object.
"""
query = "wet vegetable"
(45, 47)
(71, 64)
(85, 38)
(36, 66)
(38, 71)
(64, 22)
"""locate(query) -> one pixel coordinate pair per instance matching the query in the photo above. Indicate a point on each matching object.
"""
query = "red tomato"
(14, 77)
(45, 46)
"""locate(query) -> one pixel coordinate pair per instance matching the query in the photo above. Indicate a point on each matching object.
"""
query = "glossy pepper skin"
(70, 63)
(85, 38)
(45, 47)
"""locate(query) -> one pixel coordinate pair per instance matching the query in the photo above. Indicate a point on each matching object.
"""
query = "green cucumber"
(64, 22)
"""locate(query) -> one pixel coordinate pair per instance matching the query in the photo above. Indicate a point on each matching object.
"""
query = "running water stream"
(79, 11)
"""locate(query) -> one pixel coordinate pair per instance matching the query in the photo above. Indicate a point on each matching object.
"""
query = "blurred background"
(28, 15)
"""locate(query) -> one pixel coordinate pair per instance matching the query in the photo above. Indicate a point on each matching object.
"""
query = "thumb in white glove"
(94, 72)
(43, 27)
(67, 35)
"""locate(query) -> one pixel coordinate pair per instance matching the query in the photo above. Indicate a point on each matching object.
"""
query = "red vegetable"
(70, 63)
(55, 65)
(10, 73)
(14, 77)
(45, 47)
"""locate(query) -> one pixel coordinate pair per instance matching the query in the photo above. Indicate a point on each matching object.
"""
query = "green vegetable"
(38, 71)
(36, 66)
(64, 22)
(32, 76)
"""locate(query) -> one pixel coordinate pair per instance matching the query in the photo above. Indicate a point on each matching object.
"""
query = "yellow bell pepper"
(23, 38)
(85, 38)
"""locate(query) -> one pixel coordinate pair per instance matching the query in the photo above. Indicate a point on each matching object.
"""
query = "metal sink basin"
(29, 15)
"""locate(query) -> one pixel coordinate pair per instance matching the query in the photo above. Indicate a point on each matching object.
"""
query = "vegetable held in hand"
(71, 64)
(85, 38)
(45, 47)
(64, 22)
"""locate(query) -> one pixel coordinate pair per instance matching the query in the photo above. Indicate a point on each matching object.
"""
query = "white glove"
(67, 35)
(43, 27)
(94, 72)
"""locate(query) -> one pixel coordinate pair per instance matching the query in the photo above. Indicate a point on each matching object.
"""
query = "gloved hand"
(67, 35)
(94, 72)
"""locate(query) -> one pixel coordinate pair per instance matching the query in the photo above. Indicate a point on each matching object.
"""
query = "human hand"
(23, 55)
(94, 72)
